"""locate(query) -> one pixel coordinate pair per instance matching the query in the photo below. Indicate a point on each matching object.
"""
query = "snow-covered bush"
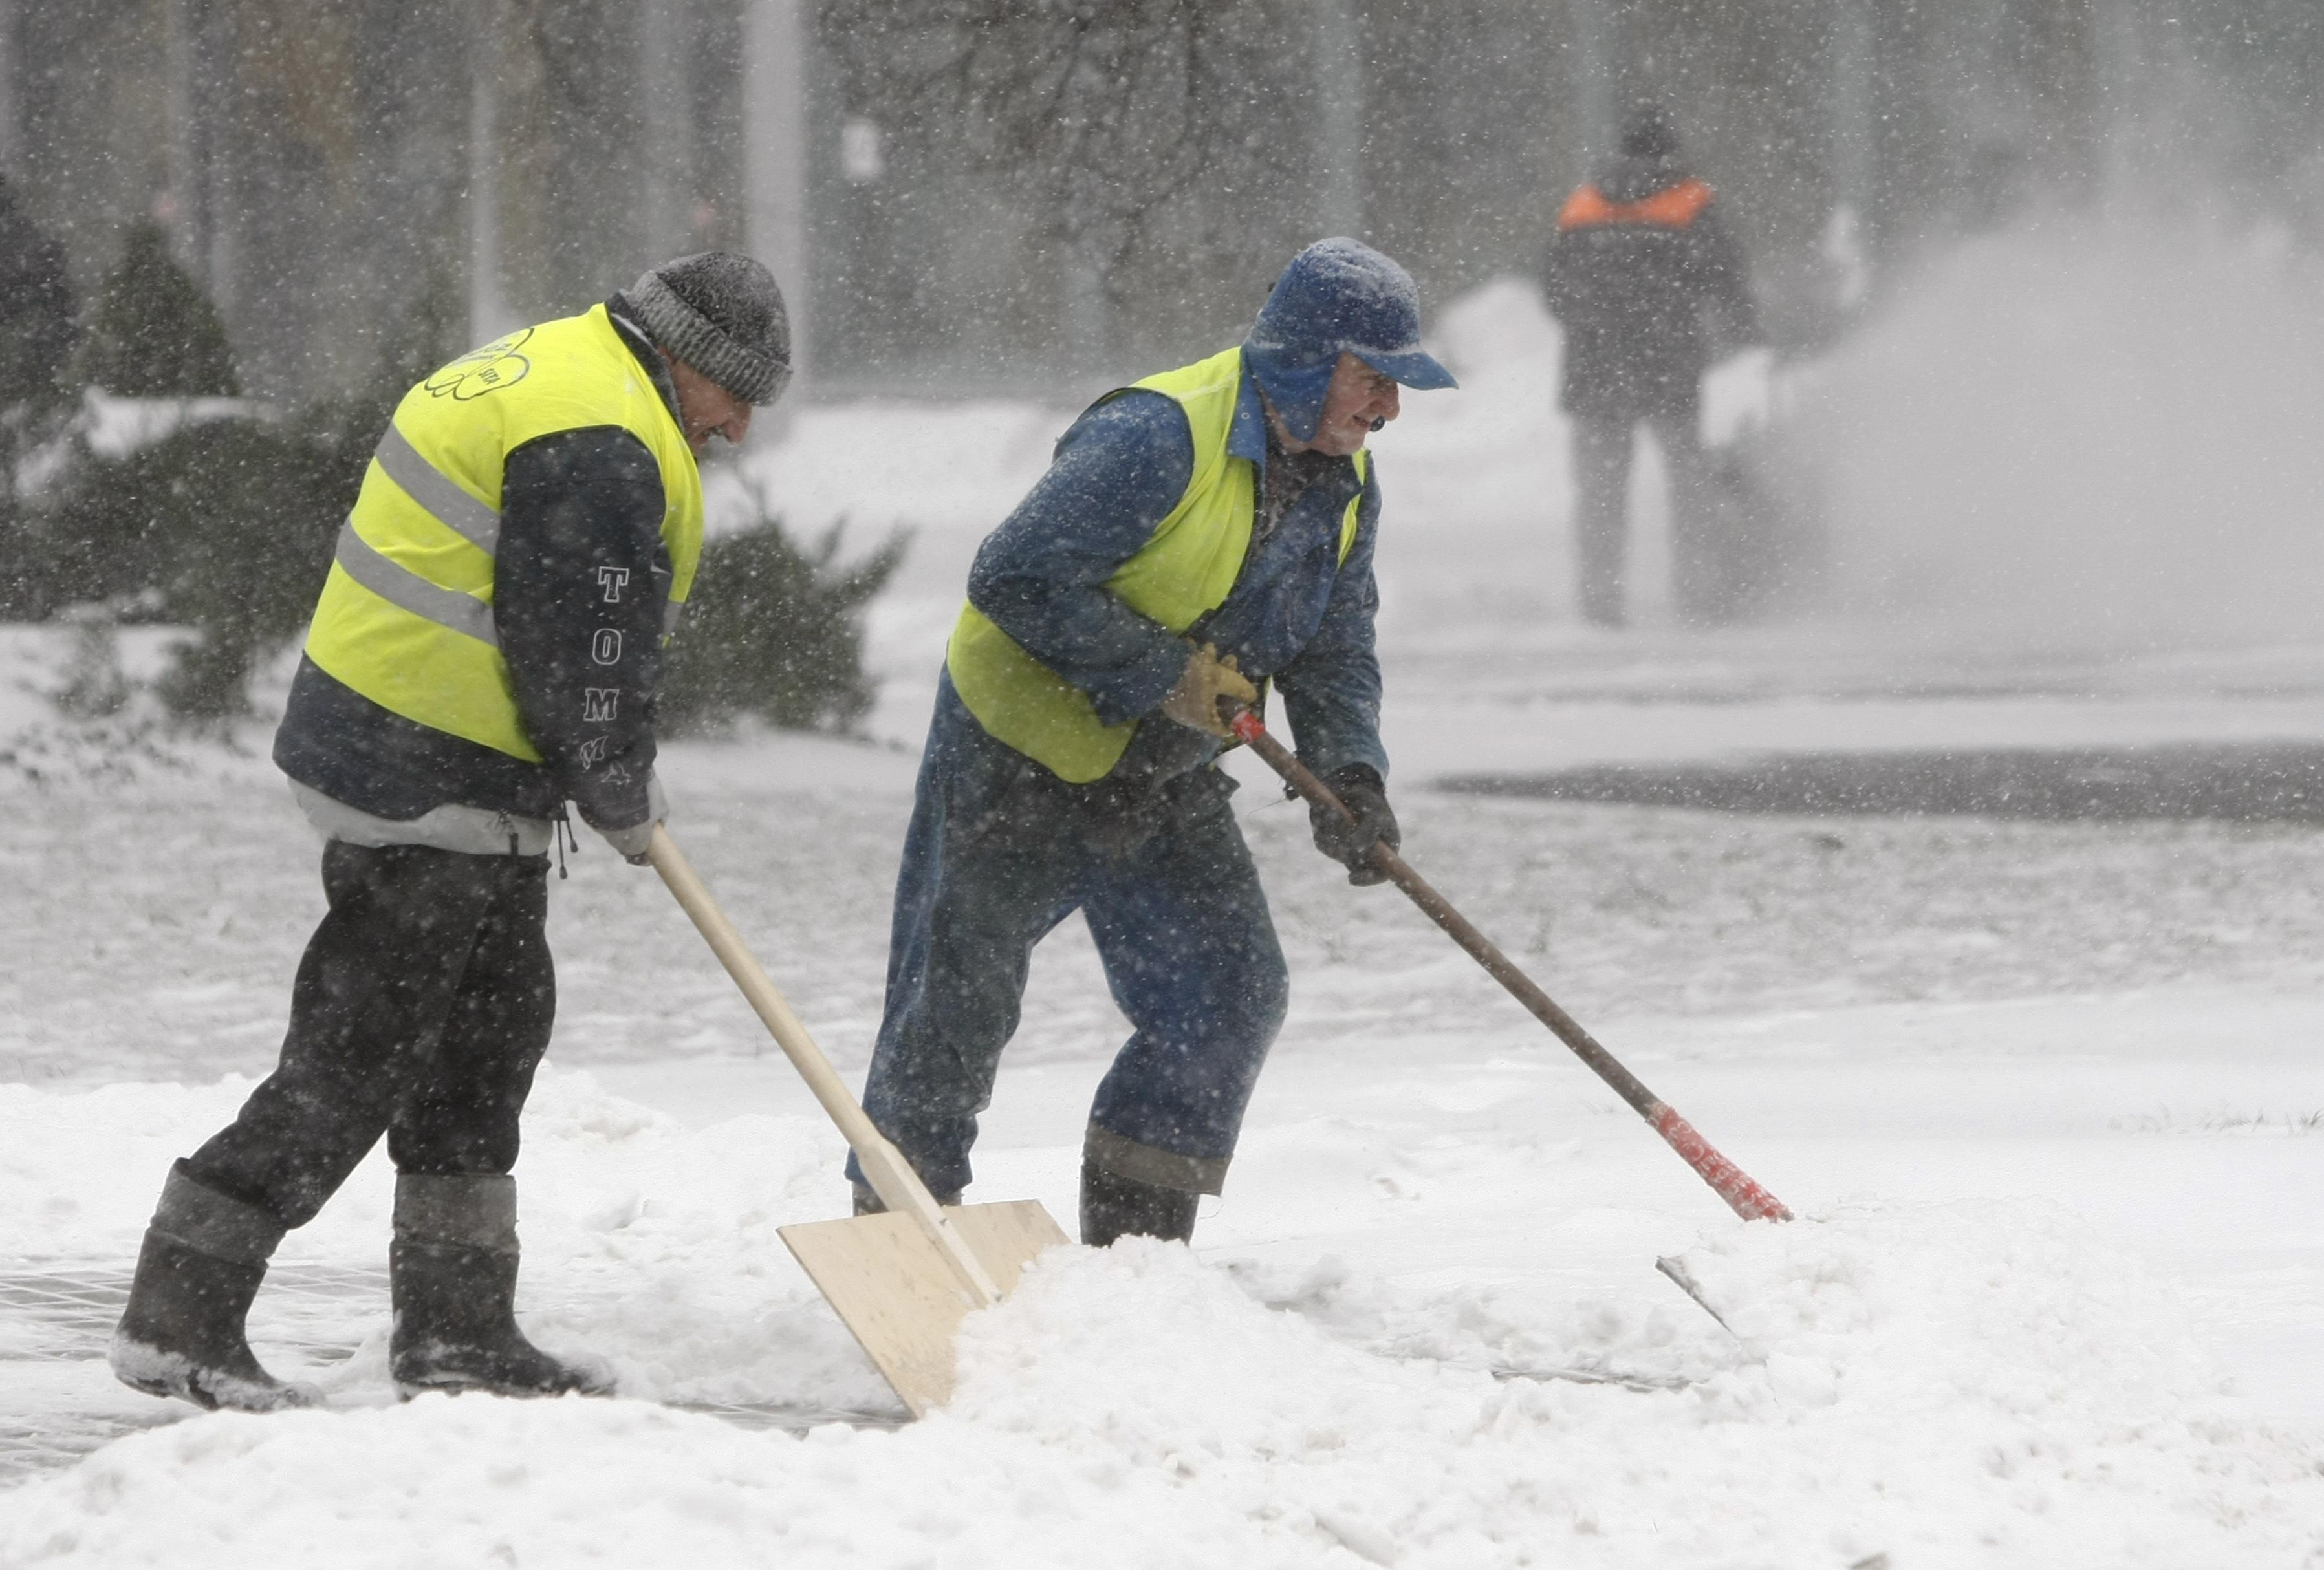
(223, 526)
(152, 331)
(171, 499)
(774, 630)
(174, 501)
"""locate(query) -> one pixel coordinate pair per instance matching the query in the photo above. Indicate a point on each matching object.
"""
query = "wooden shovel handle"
(1730, 1183)
(891, 1177)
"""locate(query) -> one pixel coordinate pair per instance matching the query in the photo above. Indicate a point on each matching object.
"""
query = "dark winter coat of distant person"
(1648, 284)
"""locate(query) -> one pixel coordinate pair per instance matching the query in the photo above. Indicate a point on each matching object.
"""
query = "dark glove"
(1360, 790)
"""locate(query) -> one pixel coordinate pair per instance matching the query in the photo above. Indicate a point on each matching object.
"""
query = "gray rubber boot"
(452, 1269)
(183, 1333)
(1113, 1206)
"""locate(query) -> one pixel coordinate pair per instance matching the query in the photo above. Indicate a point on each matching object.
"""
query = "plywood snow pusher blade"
(902, 1298)
(902, 1281)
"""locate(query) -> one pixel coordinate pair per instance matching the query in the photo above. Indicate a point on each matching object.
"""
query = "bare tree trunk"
(1852, 144)
(2121, 67)
(665, 174)
(219, 155)
(2063, 88)
(775, 43)
(1597, 70)
(181, 199)
(1340, 91)
(11, 138)
(489, 314)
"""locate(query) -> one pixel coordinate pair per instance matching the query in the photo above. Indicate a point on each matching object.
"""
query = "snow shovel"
(902, 1281)
(1730, 1181)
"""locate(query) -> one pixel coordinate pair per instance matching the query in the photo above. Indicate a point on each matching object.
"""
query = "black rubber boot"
(183, 1333)
(867, 1203)
(1113, 1206)
(452, 1270)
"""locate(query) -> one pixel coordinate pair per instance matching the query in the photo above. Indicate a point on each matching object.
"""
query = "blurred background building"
(1003, 195)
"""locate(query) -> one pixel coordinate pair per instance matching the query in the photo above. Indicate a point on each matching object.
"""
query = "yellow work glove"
(1195, 700)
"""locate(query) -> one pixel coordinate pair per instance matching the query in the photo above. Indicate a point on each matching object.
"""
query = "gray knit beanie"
(722, 315)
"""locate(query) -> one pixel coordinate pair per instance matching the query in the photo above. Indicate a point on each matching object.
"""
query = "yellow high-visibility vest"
(1184, 572)
(406, 616)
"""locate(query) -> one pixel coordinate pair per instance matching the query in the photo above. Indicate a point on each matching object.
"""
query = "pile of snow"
(118, 427)
(1951, 1384)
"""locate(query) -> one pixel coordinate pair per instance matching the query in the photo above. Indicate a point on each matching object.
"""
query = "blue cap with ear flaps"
(1339, 296)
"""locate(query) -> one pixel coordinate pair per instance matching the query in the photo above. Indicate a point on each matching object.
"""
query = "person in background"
(487, 648)
(1199, 535)
(1646, 280)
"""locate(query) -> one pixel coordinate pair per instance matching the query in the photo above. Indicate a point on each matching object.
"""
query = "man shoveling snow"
(1206, 530)
(487, 649)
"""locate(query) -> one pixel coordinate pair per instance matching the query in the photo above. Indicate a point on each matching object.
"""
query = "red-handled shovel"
(1731, 1183)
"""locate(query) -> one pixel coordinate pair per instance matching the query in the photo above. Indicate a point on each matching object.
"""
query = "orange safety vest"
(1671, 208)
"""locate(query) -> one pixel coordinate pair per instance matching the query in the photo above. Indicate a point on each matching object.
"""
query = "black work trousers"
(421, 1008)
(1601, 483)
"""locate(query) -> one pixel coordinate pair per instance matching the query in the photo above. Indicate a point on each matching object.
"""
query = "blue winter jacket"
(1296, 615)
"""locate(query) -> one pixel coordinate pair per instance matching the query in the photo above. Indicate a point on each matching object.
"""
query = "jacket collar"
(649, 358)
(1246, 434)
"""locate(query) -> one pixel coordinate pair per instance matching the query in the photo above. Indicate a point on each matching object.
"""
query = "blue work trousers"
(999, 851)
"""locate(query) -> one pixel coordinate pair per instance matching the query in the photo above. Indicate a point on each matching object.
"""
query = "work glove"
(1195, 700)
(631, 842)
(1360, 790)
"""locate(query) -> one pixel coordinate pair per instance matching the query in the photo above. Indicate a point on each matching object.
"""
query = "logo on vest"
(486, 369)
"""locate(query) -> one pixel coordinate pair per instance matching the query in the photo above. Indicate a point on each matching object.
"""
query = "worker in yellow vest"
(1200, 533)
(486, 648)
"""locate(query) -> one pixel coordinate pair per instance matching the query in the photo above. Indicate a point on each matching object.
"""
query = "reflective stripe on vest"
(463, 613)
(406, 616)
(434, 490)
(1184, 571)
(1671, 208)
(408, 590)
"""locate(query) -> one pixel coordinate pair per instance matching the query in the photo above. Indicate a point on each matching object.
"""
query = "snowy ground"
(2046, 1096)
